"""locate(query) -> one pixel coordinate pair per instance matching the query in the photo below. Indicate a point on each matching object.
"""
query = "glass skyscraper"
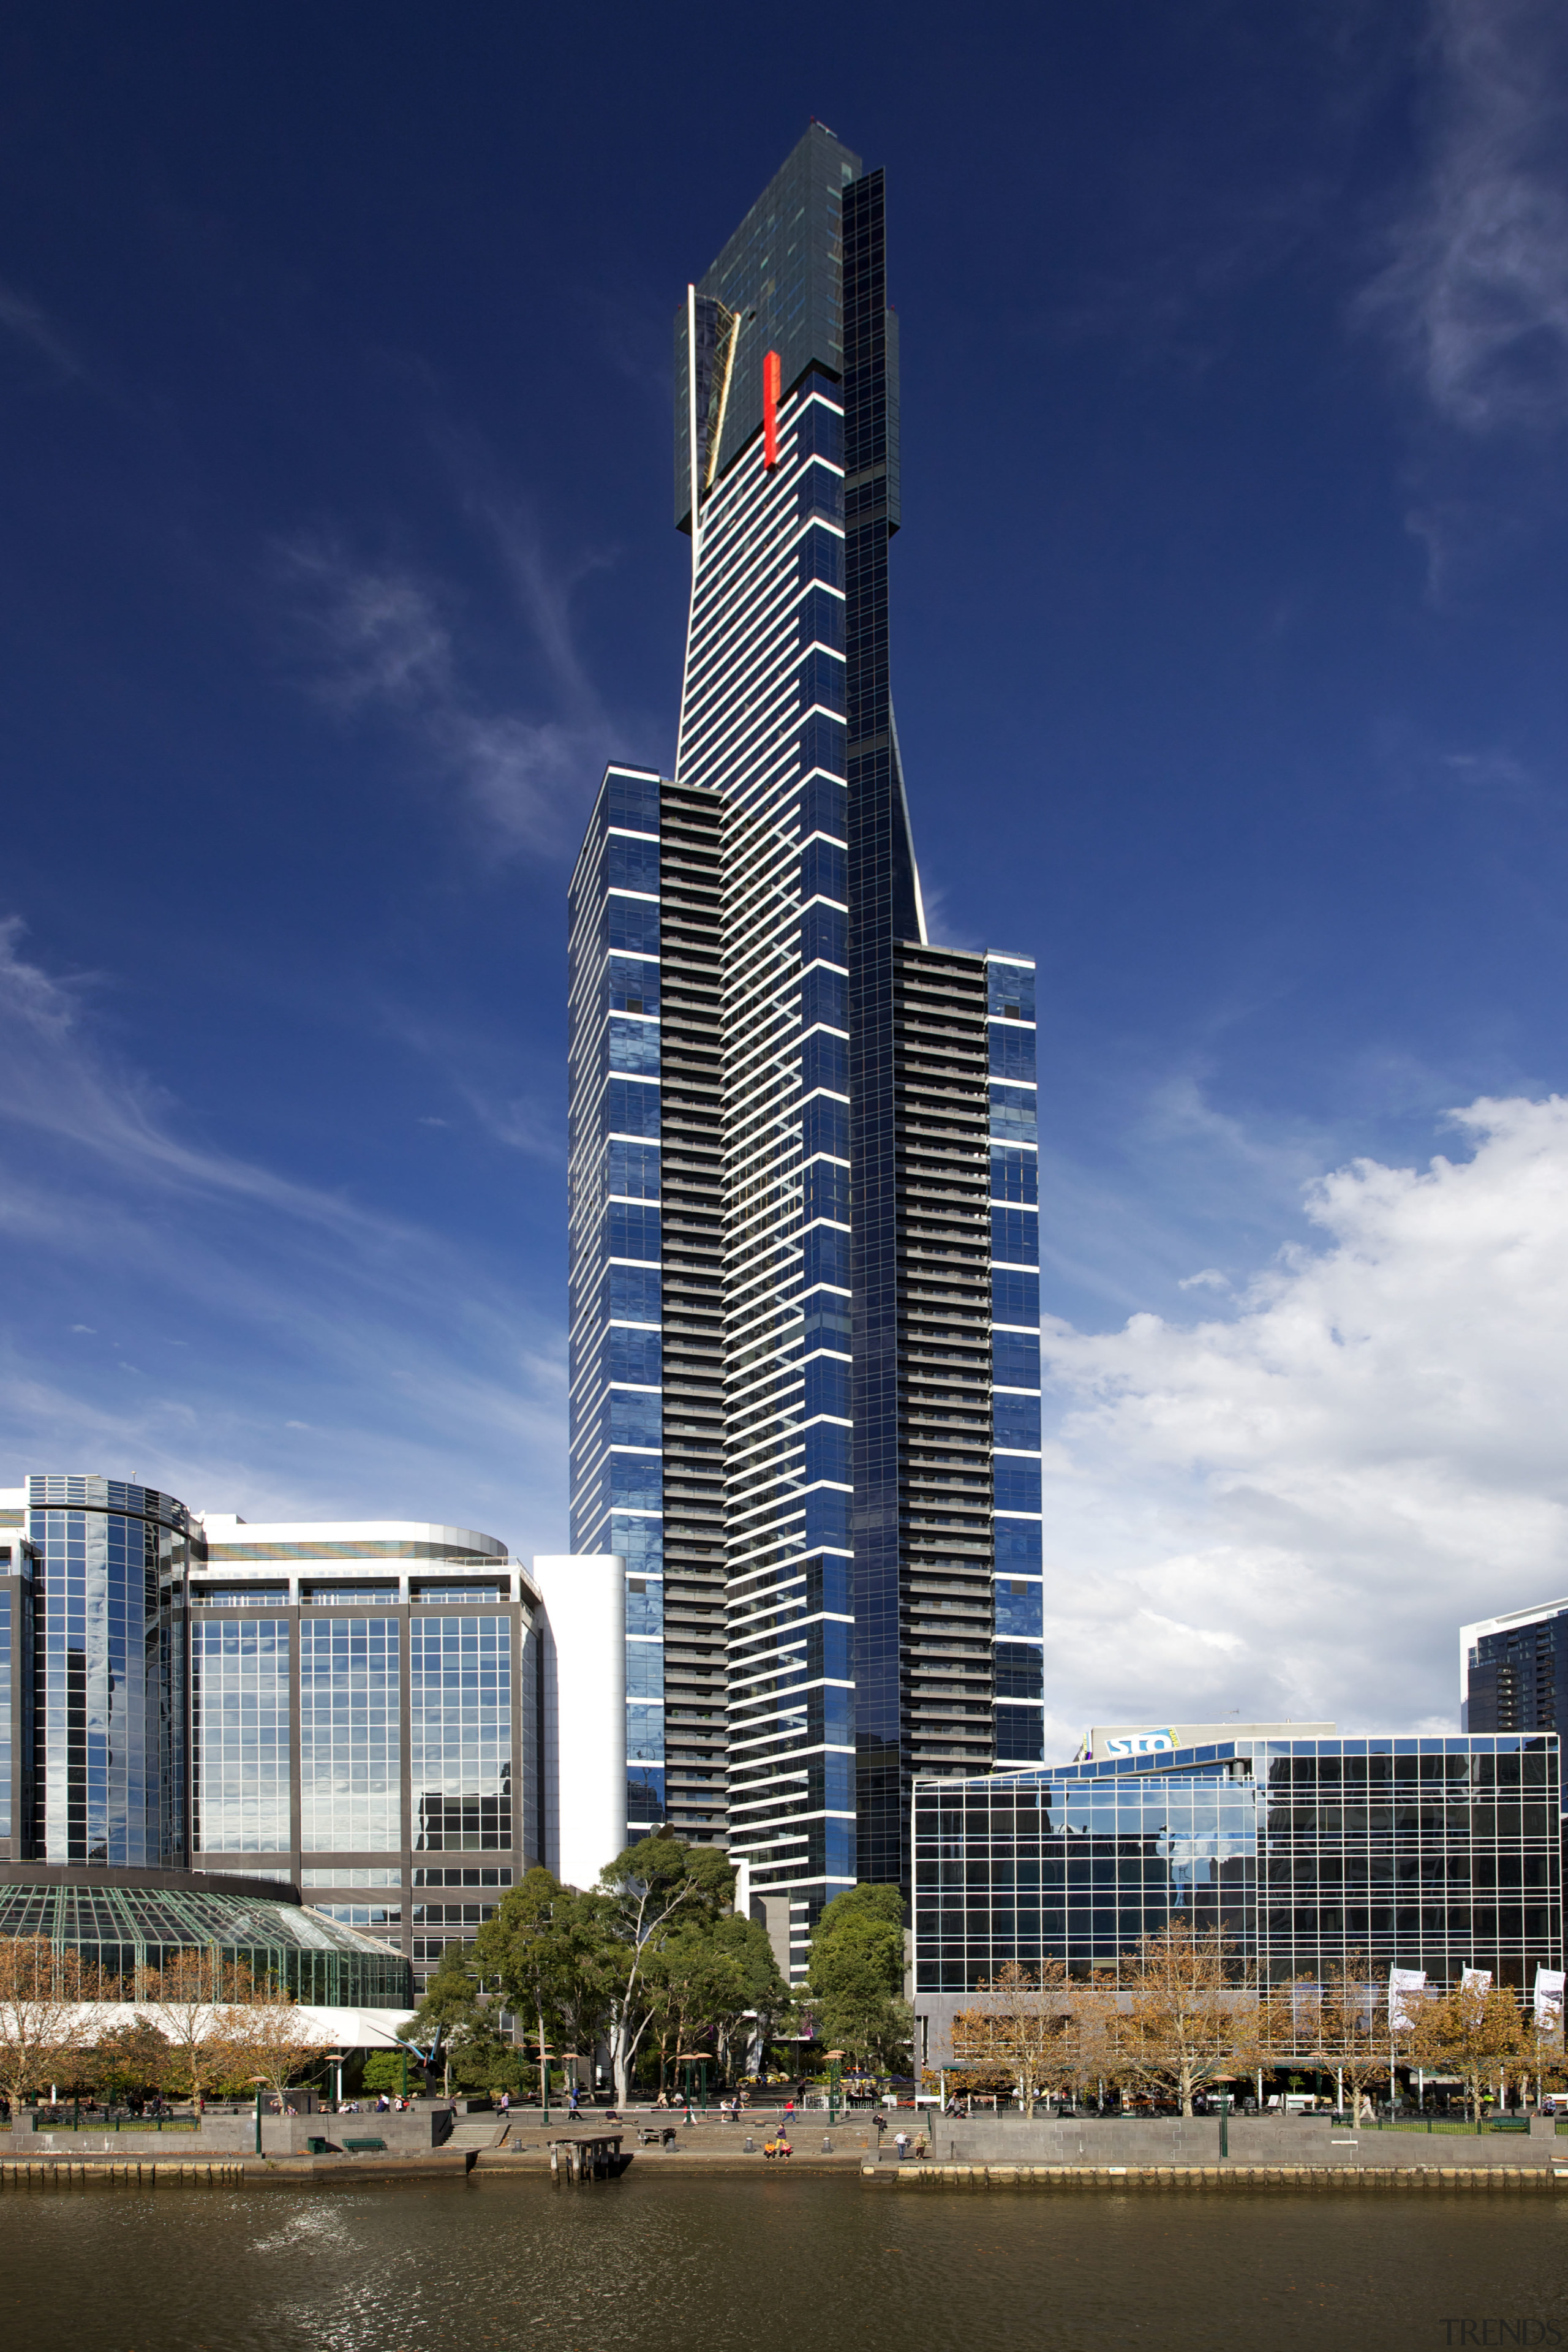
(1513, 1671)
(804, 1141)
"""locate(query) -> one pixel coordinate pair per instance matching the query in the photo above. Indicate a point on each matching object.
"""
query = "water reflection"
(809, 2264)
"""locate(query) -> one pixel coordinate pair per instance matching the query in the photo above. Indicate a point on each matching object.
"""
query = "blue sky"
(335, 558)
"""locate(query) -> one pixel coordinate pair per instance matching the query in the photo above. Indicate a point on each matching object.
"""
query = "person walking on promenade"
(901, 2142)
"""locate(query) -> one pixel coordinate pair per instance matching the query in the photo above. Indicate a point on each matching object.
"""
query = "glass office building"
(349, 1709)
(1431, 1854)
(804, 1193)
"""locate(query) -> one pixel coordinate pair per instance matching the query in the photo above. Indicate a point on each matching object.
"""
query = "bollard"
(751, 2146)
(828, 2147)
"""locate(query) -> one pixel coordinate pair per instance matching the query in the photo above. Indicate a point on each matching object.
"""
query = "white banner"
(1476, 1979)
(1549, 1985)
(1403, 1984)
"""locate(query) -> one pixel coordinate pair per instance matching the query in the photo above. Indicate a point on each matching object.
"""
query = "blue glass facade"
(1018, 1527)
(1432, 1854)
(616, 1426)
(110, 1564)
(816, 1437)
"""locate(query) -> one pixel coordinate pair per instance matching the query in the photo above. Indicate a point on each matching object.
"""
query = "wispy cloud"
(28, 325)
(1476, 292)
(438, 1385)
(379, 637)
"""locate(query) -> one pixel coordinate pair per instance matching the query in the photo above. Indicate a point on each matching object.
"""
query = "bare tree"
(40, 1991)
(191, 1999)
(1352, 2033)
(1024, 2028)
(1193, 2017)
(1475, 2031)
(271, 2040)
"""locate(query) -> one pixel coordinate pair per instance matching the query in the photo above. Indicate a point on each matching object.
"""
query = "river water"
(793, 2265)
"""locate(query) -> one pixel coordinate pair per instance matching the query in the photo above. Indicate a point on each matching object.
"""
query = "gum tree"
(651, 1889)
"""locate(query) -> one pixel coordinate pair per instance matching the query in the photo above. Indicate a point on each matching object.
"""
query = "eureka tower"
(803, 1142)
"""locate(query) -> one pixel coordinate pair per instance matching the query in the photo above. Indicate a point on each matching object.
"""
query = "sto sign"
(1141, 1743)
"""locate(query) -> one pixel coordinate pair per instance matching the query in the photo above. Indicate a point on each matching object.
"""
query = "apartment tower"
(804, 1190)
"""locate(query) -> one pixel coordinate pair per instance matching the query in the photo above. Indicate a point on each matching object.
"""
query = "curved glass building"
(109, 1563)
(120, 1928)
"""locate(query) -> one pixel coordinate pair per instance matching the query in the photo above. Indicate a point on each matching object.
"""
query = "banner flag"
(1405, 1987)
(1549, 1998)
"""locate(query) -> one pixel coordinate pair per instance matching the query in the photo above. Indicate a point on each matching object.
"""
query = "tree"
(386, 2070)
(1191, 2018)
(1025, 2028)
(188, 1999)
(704, 1979)
(271, 2039)
(1475, 2031)
(40, 1988)
(547, 1950)
(855, 1981)
(1351, 2030)
(648, 1890)
(758, 1999)
(130, 2060)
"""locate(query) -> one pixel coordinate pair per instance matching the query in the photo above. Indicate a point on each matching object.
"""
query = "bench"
(366, 2146)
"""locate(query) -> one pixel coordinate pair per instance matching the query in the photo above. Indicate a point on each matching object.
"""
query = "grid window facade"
(239, 1735)
(1437, 1853)
(461, 1684)
(350, 1735)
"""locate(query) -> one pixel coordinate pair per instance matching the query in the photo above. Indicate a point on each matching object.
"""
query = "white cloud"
(1291, 1512)
(1477, 292)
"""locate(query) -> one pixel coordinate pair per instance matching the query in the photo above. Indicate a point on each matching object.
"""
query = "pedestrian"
(878, 2125)
(901, 2142)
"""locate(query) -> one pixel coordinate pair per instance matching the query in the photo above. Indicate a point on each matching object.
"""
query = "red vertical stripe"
(771, 408)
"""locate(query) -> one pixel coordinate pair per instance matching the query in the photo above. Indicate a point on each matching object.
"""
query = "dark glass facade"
(792, 1208)
(1515, 1671)
(1432, 1854)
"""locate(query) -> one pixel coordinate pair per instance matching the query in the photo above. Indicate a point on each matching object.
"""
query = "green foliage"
(647, 1893)
(130, 2060)
(383, 2071)
(856, 1977)
(547, 1951)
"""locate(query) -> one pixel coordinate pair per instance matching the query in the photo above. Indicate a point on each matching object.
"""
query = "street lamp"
(834, 2081)
(261, 2083)
(1223, 2083)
